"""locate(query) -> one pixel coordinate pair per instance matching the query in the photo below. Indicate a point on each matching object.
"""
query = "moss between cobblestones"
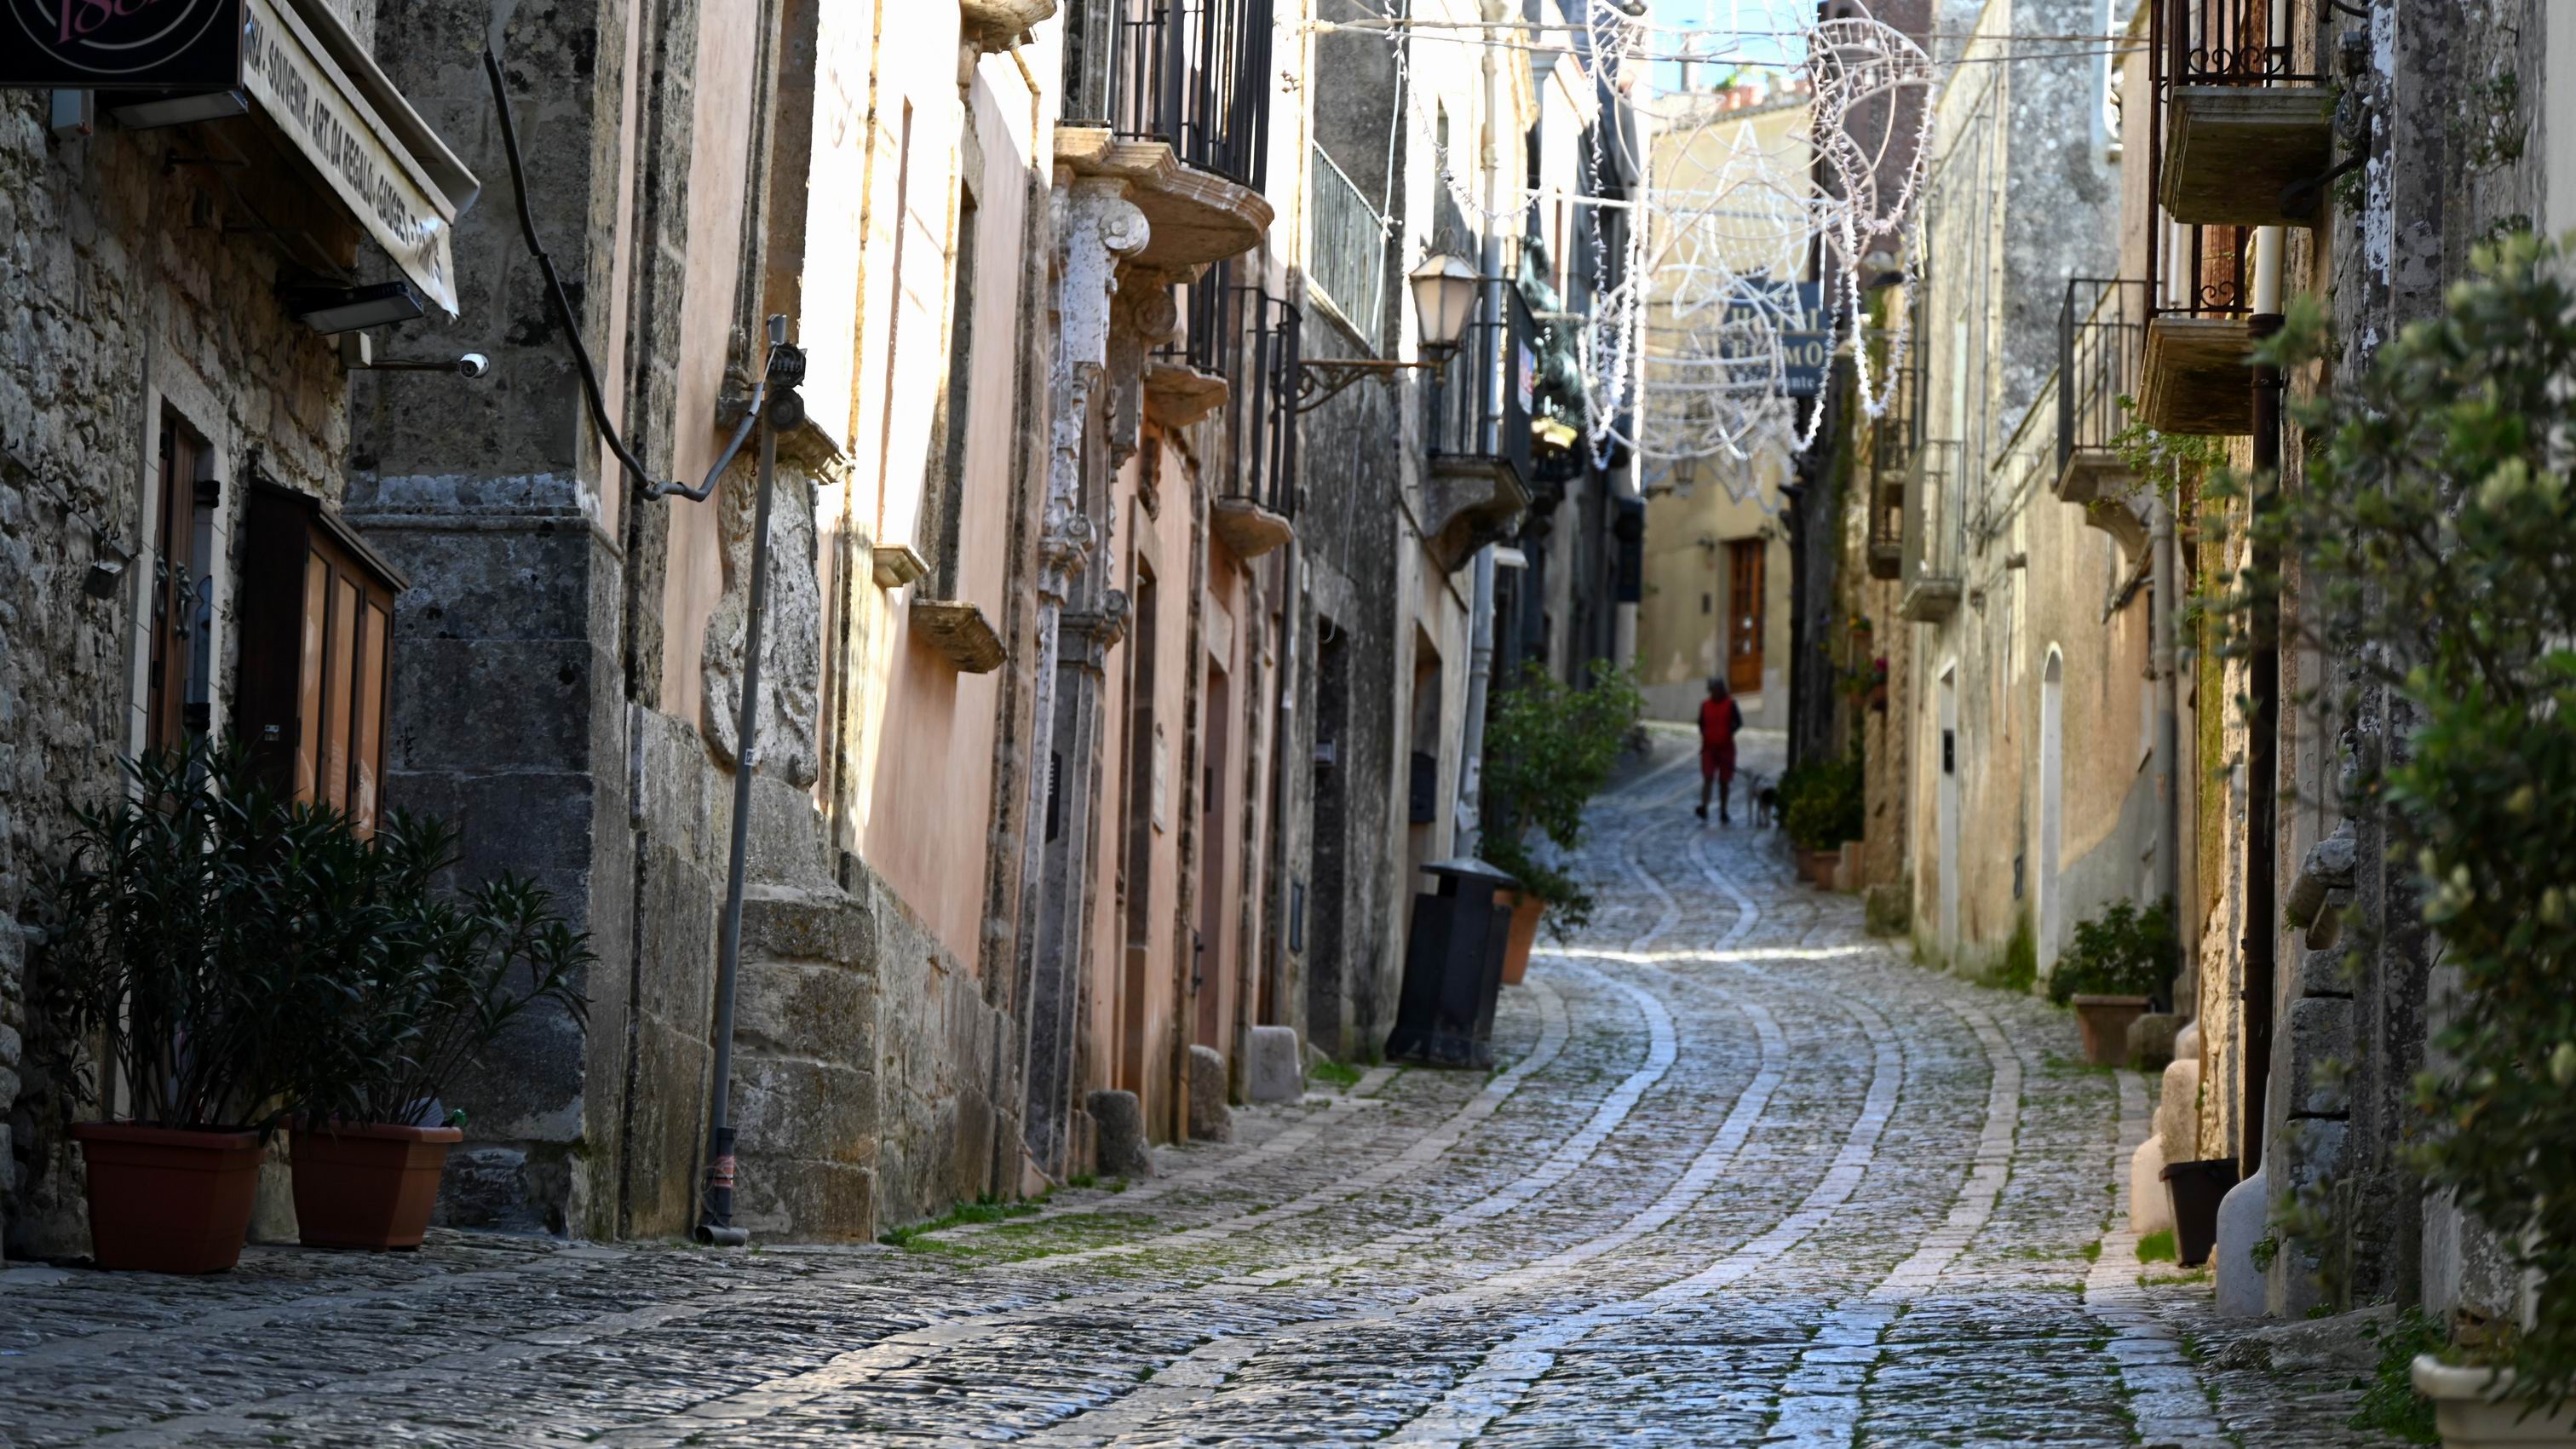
(2158, 1247)
(987, 1209)
(1013, 1242)
(1336, 1074)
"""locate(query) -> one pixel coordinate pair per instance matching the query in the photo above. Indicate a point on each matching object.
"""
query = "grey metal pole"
(1480, 646)
(715, 1207)
(2161, 656)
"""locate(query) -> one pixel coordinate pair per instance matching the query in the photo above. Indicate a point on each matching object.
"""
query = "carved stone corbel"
(1096, 226)
(1089, 634)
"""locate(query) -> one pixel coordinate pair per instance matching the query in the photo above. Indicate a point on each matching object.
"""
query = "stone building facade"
(1092, 676)
(2443, 127)
(157, 382)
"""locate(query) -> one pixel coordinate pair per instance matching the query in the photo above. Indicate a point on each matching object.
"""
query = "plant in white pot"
(2438, 526)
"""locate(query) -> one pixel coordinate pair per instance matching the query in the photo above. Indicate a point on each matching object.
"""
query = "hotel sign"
(1797, 310)
(145, 45)
(295, 80)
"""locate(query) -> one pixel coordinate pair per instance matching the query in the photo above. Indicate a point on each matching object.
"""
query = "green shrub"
(2020, 969)
(2122, 952)
(1548, 750)
(1824, 803)
(2389, 1402)
(245, 958)
(2436, 524)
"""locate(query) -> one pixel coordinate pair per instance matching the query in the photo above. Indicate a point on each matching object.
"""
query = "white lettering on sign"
(305, 94)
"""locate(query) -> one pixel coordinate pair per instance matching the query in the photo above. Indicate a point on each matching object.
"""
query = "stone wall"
(128, 293)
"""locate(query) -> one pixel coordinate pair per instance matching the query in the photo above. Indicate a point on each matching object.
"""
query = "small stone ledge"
(996, 25)
(895, 565)
(1177, 395)
(959, 630)
(1193, 217)
(1470, 502)
(1248, 529)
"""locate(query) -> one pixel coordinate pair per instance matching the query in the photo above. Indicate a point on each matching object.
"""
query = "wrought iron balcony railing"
(1194, 74)
(2101, 333)
(1345, 249)
(1480, 400)
(1262, 343)
(1935, 534)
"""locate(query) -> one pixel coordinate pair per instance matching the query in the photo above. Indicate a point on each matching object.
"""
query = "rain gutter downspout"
(1469, 834)
(2263, 747)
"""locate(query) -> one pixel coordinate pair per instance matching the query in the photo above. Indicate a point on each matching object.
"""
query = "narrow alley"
(1743, 1174)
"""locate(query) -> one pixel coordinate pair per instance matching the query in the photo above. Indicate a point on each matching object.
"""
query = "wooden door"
(1744, 559)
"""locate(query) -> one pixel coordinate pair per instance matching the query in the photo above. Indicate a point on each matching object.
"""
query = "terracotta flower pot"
(163, 1200)
(2476, 1409)
(368, 1187)
(1818, 866)
(2104, 1021)
(1526, 911)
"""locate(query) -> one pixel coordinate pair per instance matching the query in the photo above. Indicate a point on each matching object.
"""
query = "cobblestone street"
(1743, 1175)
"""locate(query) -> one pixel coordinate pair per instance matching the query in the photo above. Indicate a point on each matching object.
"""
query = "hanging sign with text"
(294, 79)
(141, 45)
(1798, 308)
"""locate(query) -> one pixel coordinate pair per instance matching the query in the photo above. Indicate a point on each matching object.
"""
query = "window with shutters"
(178, 692)
(317, 615)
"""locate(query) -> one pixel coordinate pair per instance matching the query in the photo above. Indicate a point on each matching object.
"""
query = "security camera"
(473, 364)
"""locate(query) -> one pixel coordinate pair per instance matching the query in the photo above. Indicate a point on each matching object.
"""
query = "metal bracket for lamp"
(1321, 379)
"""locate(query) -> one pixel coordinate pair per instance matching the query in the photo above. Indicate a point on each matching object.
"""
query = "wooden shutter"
(317, 635)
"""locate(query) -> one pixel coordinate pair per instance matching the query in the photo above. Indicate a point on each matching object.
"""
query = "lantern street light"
(1444, 291)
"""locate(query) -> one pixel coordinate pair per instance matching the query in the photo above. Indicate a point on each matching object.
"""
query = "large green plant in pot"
(1824, 803)
(1548, 750)
(439, 976)
(2437, 530)
(185, 924)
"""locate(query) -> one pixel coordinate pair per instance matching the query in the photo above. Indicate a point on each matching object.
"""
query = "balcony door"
(1744, 561)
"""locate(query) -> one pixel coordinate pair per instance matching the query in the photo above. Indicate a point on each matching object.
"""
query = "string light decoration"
(1685, 352)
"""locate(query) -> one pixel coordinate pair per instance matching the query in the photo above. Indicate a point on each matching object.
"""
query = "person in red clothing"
(1719, 719)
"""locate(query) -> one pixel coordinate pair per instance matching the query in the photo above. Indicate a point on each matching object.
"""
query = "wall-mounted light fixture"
(1444, 299)
(358, 354)
(146, 110)
(330, 309)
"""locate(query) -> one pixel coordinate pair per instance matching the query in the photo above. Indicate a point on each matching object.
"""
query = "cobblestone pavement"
(1744, 1176)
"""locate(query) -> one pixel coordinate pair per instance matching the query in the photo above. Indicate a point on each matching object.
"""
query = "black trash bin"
(2195, 1188)
(1453, 969)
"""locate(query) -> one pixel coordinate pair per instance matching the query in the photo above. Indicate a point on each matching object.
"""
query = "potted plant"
(1823, 804)
(2433, 524)
(171, 952)
(1548, 750)
(2120, 960)
(440, 976)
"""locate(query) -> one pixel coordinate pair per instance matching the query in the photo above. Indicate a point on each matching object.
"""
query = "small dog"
(1766, 800)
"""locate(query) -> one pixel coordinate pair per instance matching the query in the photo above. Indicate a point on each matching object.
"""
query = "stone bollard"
(1278, 1069)
(1118, 1120)
(2151, 1041)
(2150, 1204)
(1211, 1120)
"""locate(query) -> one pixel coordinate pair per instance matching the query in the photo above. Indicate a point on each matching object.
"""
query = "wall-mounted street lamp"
(1444, 299)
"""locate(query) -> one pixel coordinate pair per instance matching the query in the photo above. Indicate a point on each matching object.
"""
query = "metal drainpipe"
(1283, 731)
(2166, 603)
(1469, 835)
(715, 1204)
(2262, 825)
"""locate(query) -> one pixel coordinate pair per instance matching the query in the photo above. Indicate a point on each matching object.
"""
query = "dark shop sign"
(1805, 344)
(143, 45)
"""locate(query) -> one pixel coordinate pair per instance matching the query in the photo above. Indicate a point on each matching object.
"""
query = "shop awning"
(397, 180)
